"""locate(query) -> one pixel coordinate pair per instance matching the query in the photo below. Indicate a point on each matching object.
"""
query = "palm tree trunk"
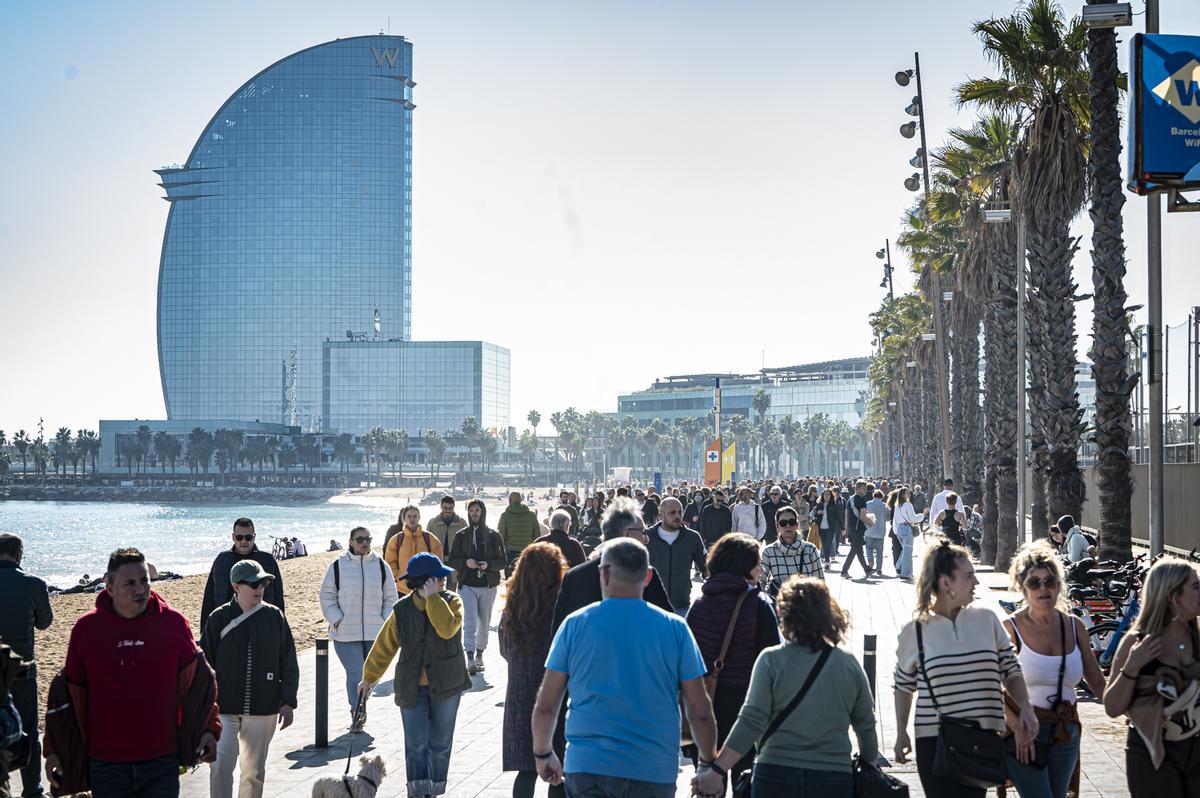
(1039, 338)
(967, 425)
(1003, 381)
(1109, 354)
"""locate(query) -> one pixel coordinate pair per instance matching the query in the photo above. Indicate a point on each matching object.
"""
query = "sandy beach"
(301, 580)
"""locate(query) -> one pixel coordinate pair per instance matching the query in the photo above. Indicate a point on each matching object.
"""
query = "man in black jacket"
(771, 506)
(674, 549)
(218, 591)
(251, 647)
(715, 519)
(26, 606)
(581, 584)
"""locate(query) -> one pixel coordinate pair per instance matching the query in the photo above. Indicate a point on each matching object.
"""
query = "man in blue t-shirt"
(625, 662)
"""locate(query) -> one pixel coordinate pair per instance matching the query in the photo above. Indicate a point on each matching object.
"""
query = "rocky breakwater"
(165, 493)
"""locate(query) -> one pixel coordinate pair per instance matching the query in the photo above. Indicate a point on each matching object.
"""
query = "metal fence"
(1180, 480)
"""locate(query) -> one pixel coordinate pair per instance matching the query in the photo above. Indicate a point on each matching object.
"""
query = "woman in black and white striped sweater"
(968, 655)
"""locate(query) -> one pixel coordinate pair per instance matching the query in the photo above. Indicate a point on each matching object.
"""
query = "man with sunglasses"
(790, 553)
(251, 648)
(218, 591)
(357, 596)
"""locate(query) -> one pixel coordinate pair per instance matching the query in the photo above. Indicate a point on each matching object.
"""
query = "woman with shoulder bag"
(1053, 649)
(962, 653)
(804, 695)
(732, 622)
(1160, 658)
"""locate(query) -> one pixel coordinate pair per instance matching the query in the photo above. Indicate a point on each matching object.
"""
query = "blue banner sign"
(1164, 117)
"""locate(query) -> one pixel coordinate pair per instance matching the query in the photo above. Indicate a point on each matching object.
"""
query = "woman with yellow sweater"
(410, 539)
(431, 673)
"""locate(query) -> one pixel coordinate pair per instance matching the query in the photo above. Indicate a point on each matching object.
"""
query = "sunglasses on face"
(787, 522)
(244, 537)
(256, 585)
(1034, 583)
(362, 540)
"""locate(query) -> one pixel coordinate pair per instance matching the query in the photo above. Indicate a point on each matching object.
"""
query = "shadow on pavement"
(338, 749)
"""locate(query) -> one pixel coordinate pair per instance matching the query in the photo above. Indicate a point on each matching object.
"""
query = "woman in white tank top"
(1054, 654)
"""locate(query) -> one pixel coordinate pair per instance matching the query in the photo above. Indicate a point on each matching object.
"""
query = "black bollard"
(869, 661)
(322, 702)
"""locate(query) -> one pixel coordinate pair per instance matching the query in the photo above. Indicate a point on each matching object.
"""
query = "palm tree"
(1044, 83)
(89, 446)
(200, 449)
(437, 450)
(127, 448)
(144, 439)
(472, 433)
(160, 448)
(534, 418)
(62, 449)
(527, 443)
(488, 446)
(761, 402)
(1109, 353)
(344, 450)
(287, 457)
(22, 441)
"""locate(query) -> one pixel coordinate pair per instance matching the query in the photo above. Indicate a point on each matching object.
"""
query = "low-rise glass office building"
(414, 385)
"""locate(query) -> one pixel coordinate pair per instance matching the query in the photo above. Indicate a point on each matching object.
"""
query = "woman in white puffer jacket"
(357, 596)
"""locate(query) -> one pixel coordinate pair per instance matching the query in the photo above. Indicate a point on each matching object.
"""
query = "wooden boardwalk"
(879, 607)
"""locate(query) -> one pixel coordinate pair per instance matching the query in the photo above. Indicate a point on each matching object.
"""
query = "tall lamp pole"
(935, 281)
(1154, 338)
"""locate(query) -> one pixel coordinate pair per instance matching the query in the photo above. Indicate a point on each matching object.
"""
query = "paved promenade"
(879, 607)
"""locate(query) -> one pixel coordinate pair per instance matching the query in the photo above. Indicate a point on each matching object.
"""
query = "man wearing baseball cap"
(250, 645)
(432, 675)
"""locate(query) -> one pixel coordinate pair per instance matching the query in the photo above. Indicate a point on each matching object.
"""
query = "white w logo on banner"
(386, 54)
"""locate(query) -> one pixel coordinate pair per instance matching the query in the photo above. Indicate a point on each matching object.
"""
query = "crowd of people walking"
(642, 632)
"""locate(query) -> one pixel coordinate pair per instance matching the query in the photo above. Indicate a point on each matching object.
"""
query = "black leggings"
(1179, 774)
(940, 786)
(526, 782)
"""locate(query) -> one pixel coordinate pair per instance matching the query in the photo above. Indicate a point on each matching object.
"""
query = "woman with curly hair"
(524, 634)
(809, 751)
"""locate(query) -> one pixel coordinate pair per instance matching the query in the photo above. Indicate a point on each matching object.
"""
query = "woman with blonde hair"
(1155, 681)
(524, 634)
(954, 655)
(1053, 649)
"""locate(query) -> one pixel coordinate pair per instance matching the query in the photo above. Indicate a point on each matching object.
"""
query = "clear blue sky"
(614, 190)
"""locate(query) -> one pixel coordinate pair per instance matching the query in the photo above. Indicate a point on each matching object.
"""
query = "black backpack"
(337, 576)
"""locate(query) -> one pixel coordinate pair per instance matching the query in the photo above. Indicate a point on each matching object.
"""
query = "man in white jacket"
(357, 596)
(748, 517)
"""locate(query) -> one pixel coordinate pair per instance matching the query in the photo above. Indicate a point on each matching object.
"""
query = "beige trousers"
(244, 741)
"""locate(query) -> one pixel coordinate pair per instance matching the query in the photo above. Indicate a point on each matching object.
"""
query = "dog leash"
(355, 722)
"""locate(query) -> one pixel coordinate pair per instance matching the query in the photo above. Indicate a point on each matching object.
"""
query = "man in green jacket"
(518, 526)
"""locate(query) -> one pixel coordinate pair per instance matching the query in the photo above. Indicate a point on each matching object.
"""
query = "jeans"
(905, 533)
(1051, 781)
(477, 615)
(150, 778)
(428, 736)
(828, 544)
(593, 785)
(244, 742)
(352, 655)
(875, 553)
(778, 781)
(25, 697)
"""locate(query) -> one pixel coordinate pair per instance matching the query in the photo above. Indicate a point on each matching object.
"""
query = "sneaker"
(357, 725)
(472, 665)
(479, 662)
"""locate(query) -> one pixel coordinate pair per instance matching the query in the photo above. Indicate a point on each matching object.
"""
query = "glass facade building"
(837, 388)
(289, 224)
(414, 385)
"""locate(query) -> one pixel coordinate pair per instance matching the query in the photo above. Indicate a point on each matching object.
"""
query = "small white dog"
(364, 785)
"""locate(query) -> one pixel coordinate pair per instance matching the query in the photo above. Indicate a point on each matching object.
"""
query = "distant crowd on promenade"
(618, 673)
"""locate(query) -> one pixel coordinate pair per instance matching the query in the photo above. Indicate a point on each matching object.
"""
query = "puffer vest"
(444, 661)
(709, 617)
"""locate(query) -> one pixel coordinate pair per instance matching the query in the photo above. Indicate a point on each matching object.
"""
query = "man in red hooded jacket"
(128, 653)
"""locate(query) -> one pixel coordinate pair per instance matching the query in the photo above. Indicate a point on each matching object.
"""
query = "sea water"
(65, 540)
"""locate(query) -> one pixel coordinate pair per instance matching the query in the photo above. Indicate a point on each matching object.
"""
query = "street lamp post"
(935, 281)
(1154, 331)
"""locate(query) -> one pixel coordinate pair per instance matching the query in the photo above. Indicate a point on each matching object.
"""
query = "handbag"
(710, 679)
(871, 782)
(814, 535)
(1041, 747)
(741, 788)
(966, 752)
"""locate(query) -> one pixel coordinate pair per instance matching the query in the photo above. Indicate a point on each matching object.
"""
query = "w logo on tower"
(386, 54)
